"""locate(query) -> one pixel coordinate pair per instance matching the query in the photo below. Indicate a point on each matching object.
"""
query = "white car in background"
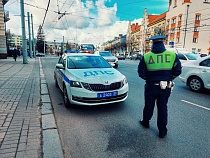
(109, 57)
(196, 74)
(184, 55)
(88, 79)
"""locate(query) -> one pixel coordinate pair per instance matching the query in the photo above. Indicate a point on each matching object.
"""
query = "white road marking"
(196, 105)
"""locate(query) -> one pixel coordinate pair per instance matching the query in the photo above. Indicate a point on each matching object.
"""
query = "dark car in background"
(121, 57)
(135, 56)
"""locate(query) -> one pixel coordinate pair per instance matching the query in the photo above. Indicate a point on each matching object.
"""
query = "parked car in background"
(184, 55)
(135, 56)
(109, 57)
(39, 54)
(71, 51)
(121, 57)
(203, 55)
(196, 74)
(88, 79)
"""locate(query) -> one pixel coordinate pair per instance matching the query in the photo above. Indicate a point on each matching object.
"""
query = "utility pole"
(44, 47)
(24, 41)
(62, 45)
(34, 51)
(29, 32)
(185, 30)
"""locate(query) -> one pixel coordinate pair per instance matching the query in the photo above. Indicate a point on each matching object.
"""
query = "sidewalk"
(27, 124)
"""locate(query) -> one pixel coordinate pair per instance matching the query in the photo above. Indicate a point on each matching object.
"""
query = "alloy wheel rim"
(195, 84)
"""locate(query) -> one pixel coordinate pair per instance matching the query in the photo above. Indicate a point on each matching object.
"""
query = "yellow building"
(155, 26)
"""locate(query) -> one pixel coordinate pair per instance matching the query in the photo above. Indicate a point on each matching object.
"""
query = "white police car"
(88, 79)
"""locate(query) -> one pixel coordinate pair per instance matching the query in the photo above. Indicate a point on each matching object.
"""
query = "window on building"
(180, 18)
(173, 30)
(177, 40)
(173, 21)
(175, 3)
(195, 40)
(196, 29)
(197, 17)
(178, 29)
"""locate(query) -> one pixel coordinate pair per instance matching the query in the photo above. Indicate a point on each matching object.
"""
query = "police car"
(88, 79)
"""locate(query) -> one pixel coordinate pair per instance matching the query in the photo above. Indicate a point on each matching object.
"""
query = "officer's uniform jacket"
(156, 67)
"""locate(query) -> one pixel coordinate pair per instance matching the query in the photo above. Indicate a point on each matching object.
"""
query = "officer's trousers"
(154, 94)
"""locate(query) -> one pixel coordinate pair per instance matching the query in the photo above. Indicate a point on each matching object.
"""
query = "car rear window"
(86, 62)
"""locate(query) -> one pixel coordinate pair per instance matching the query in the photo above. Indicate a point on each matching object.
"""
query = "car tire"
(195, 84)
(65, 98)
(56, 82)
(115, 66)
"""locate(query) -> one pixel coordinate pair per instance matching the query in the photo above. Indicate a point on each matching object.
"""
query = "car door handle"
(204, 71)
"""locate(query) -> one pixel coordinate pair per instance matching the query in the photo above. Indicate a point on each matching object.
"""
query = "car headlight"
(75, 84)
(124, 81)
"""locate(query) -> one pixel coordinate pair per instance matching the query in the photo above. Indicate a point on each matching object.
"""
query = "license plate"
(107, 94)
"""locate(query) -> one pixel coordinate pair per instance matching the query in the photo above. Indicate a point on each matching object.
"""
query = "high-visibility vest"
(161, 61)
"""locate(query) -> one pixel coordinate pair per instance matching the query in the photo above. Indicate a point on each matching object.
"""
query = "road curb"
(51, 140)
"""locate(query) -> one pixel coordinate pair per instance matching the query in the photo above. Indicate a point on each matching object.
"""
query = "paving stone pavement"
(21, 126)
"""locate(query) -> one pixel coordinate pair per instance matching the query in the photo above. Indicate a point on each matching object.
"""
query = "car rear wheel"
(195, 84)
(65, 97)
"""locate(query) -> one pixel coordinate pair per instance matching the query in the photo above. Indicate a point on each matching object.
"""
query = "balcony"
(179, 24)
(4, 1)
(6, 16)
(173, 25)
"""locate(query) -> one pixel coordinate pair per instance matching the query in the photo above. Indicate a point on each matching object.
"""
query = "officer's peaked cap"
(157, 38)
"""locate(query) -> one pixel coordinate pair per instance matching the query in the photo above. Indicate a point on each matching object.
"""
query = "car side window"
(205, 63)
(182, 57)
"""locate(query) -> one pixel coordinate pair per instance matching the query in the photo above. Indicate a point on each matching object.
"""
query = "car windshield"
(86, 62)
(105, 53)
(192, 56)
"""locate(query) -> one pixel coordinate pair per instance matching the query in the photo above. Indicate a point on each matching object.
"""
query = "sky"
(80, 21)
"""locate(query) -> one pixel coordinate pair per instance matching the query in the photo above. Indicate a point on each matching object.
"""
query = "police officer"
(158, 68)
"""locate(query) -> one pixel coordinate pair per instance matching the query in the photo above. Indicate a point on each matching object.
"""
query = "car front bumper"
(81, 96)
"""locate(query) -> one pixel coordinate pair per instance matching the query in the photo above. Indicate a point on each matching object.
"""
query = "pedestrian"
(15, 53)
(158, 68)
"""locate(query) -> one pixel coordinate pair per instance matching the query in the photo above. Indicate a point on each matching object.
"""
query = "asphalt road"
(113, 131)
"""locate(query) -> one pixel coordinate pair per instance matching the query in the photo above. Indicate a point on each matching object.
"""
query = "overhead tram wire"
(46, 13)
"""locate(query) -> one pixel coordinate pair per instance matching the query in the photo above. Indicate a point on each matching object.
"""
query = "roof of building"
(158, 18)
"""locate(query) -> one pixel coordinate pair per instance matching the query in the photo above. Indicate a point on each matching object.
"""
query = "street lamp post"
(185, 30)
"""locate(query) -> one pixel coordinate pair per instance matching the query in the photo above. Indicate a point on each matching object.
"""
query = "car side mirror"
(60, 66)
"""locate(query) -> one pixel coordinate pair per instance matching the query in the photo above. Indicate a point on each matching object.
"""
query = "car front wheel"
(56, 82)
(195, 84)
(65, 97)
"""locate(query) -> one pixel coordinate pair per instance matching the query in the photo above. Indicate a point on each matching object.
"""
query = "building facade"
(188, 25)
(3, 19)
